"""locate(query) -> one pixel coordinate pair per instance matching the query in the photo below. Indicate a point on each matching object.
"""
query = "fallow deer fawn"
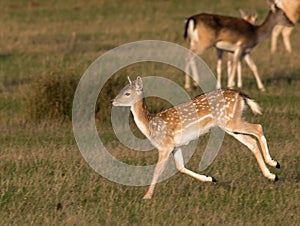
(204, 31)
(170, 129)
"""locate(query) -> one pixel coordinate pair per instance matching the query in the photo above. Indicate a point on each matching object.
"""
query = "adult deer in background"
(204, 31)
(177, 126)
(251, 18)
(292, 10)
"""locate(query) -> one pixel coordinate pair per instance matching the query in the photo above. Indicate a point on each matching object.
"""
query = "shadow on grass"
(283, 76)
(4, 55)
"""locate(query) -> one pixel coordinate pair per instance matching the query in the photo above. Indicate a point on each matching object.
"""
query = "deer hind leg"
(196, 48)
(159, 168)
(181, 168)
(256, 131)
(265, 151)
(276, 31)
(253, 68)
(219, 68)
(195, 74)
(191, 64)
(239, 74)
(252, 145)
(286, 32)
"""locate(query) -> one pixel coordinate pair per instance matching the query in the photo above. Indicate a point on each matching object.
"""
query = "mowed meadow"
(46, 46)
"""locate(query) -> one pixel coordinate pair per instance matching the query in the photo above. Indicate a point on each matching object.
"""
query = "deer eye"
(127, 94)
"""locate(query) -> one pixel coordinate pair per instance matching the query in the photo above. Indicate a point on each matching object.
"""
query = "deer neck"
(265, 29)
(141, 116)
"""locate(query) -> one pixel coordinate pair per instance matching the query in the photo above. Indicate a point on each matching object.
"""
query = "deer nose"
(113, 102)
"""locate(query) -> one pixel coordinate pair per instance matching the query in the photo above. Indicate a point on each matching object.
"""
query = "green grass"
(43, 176)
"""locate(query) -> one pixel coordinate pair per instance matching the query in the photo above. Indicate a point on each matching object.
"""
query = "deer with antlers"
(236, 35)
(177, 126)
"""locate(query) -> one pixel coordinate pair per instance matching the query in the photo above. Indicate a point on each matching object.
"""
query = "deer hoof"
(147, 196)
(277, 165)
(188, 89)
(262, 89)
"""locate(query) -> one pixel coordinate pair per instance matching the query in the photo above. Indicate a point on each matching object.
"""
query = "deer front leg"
(180, 166)
(236, 58)
(239, 69)
(159, 168)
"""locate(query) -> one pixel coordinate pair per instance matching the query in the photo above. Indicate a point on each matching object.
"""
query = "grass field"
(44, 179)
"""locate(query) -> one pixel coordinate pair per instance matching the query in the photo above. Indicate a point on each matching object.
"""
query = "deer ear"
(254, 14)
(242, 12)
(139, 83)
(130, 82)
